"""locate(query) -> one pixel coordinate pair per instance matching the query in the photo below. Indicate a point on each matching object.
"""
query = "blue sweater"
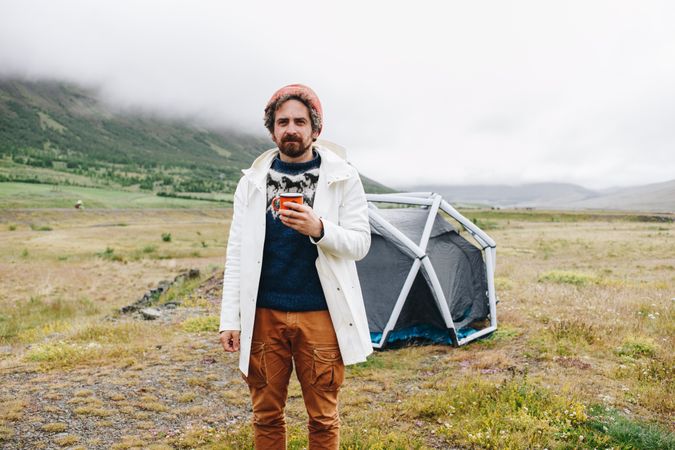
(289, 280)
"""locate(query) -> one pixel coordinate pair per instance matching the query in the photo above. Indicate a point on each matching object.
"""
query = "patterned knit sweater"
(289, 280)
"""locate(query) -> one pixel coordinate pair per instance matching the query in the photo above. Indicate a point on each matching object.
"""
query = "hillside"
(657, 197)
(52, 132)
(650, 197)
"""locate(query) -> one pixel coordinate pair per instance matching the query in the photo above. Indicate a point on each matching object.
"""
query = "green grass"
(109, 254)
(32, 195)
(95, 343)
(40, 227)
(514, 413)
(635, 348)
(375, 362)
(110, 333)
(181, 290)
(609, 428)
(567, 277)
(201, 323)
(28, 320)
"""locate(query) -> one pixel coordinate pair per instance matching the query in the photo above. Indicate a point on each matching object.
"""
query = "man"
(291, 294)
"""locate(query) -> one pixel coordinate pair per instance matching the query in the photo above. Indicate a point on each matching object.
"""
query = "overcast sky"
(451, 92)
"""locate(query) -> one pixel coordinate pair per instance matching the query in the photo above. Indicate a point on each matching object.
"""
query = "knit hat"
(303, 92)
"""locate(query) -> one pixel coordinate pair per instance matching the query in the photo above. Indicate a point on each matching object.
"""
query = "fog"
(418, 92)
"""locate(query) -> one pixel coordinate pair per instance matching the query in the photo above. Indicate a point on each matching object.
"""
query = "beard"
(293, 147)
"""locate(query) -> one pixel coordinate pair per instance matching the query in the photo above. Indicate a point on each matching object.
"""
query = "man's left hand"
(302, 219)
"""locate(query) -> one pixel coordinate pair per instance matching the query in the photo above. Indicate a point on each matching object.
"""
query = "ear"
(315, 135)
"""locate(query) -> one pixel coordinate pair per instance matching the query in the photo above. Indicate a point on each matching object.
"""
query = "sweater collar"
(335, 168)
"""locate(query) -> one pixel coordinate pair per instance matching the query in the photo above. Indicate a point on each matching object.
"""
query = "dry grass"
(582, 357)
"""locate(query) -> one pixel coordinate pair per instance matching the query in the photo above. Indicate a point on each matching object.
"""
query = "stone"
(151, 313)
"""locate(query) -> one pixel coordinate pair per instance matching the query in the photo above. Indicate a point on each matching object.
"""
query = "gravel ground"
(187, 382)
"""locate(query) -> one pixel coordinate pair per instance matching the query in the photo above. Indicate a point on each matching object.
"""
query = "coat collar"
(333, 166)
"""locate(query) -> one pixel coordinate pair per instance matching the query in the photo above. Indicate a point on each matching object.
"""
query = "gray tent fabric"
(382, 274)
(461, 271)
(458, 266)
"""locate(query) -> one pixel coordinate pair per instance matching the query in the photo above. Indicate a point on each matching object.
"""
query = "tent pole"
(439, 296)
(403, 239)
(485, 240)
(476, 335)
(490, 254)
(390, 198)
(433, 210)
(487, 244)
(400, 301)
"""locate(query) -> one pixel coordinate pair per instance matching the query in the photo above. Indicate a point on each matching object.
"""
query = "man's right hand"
(230, 340)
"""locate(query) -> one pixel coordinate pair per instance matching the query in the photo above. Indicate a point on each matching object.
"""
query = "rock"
(151, 313)
(193, 273)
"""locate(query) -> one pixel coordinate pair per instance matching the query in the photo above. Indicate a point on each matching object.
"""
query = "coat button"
(350, 324)
(338, 289)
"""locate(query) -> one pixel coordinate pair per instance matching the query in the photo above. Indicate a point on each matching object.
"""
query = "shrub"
(166, 237)
(40, 227)
(149, 248)
(636, 349)
(573, 330)
(109, 254)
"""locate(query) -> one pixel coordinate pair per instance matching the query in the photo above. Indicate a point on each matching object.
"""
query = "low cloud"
(431, 92)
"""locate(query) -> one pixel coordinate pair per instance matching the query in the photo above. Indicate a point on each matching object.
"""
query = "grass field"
(30, 195)
(582, 357)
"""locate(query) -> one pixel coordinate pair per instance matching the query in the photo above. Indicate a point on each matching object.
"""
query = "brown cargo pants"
(307, 340)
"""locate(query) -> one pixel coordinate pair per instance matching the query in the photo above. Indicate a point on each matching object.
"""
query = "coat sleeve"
(350, 237)
(229, 308)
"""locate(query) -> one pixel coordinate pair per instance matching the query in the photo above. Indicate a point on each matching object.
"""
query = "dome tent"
(421, 279)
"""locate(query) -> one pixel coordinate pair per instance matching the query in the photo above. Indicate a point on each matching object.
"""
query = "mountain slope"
(505, 195)
(657, 197)
(43, 122)
(66, 132)
(650, 197)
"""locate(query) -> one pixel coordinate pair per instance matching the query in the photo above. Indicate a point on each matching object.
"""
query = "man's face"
(293, 129)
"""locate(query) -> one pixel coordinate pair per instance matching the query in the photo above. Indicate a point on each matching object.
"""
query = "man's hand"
(230, 340)
(302, 219)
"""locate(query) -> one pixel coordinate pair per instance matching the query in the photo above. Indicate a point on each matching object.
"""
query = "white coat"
(340, 202)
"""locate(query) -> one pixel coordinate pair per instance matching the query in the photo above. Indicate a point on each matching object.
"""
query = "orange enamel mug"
(289, 197)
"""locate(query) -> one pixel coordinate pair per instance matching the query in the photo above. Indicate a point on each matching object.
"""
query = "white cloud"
(479, 92)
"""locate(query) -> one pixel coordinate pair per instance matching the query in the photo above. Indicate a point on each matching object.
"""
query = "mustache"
(291, 138)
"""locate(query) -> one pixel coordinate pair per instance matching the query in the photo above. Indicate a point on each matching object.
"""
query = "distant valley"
(657, 197)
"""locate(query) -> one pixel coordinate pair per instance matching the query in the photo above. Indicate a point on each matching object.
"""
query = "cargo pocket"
(328, 371)
(257, 368)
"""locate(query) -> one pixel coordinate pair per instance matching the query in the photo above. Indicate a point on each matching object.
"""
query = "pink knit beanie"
(303, 92)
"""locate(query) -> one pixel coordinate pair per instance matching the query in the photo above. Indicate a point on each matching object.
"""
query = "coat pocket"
(328, 370)
(257, 366)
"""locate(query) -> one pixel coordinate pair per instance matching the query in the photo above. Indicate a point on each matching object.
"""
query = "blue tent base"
(423, 332)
